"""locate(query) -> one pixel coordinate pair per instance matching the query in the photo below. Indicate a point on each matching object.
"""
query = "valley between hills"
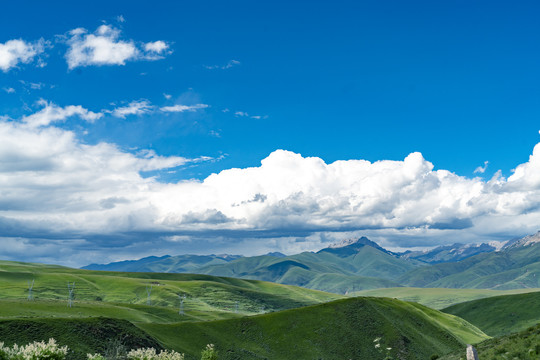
(354, 300)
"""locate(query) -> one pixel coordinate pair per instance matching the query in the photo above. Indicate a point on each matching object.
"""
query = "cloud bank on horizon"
(57, 190)
(69, 200)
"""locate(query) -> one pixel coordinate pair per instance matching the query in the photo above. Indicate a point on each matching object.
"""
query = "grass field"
(500, 315)
(438, 298)
(207, 297)
(343, 329)
(521, 345)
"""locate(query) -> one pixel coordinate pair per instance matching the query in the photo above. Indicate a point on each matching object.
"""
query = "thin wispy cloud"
(51, 113)
(245, 114)
(228, 65)
(137, 107)
(183, 108)
(481, 169)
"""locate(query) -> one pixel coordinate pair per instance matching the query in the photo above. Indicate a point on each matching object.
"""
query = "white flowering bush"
(150, 354)
(34, 351)
(143, 354)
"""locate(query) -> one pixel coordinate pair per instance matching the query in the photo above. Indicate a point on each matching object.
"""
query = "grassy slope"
(438, 298)
(340, 329)
(522, 345)
(366, 269)
(208, 297)
(82, 336)
(500, 315)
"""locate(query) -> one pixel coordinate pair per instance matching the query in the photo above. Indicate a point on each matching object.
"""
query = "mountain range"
(361, 264)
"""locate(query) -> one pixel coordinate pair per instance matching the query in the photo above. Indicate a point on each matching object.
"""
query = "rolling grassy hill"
(207, 297)
(521, 345)
(438, 298)
(358, 265)
(500, 315)
(342, 329)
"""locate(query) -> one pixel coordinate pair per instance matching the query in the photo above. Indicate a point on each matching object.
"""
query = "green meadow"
(439, 298)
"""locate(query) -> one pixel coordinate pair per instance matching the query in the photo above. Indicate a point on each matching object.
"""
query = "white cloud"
(228, 65)
(182, 108)
(157, 47)
(15, 52)
(120, 19)
(9, 90)
(136, 107)
(104, 47)
(481, 169)
(56, 187)
(245, 114)
(54, 113)
(167, 96)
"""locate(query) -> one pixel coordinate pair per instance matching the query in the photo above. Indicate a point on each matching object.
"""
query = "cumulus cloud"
(15, 52)
(56, 188)
(182, 108)
(105, 47)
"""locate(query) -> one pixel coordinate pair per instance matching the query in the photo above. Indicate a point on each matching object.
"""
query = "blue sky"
(182, 90)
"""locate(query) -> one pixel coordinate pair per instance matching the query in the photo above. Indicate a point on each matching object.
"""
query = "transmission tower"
(30, 287)
(182, 298)
(148, 293)
(71, 288)
(236, 308)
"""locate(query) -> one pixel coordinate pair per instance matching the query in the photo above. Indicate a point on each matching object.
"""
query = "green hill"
(522, 345)
(343, 329)
(500, 315)
(438, 298)
(207, 297)
(350, 268)
(357, 265)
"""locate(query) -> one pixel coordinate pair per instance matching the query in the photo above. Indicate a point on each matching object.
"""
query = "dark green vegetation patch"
(82, 336)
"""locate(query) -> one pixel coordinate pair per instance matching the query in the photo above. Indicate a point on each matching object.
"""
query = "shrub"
(34, 351)
(209, 353)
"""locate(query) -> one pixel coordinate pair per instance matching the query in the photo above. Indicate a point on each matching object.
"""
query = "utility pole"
(71, 288)
(148, 293)
(30, 287)
(182, 298)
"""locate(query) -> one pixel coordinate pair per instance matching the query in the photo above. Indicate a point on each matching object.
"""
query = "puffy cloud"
(182, 108)
(157, 47)
(56, 189)
(14, 52)
(104, 47)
